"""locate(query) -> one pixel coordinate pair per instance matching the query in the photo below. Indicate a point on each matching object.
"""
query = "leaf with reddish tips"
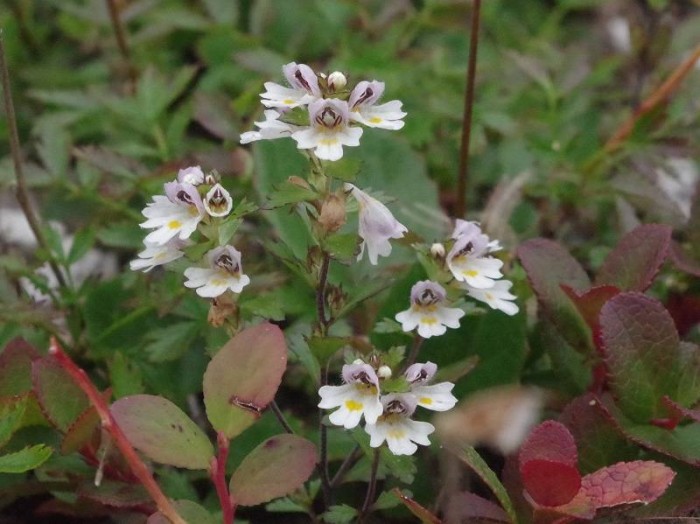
(637, 258)
(465, 507)
(678, 411)
(188, 510)
(548, 266)
(275, 468)
(683, 260)
(550, 441)
(114, 494)
(16, 368)
(60, 398)
(550, 483)
(425, 516)
(644, 357)
(589, 303)
(243, 378)
(162, 431)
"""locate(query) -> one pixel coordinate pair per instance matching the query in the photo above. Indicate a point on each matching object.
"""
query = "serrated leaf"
(637, 258)
(551, 441)
(228, 229)
(114, 494)
(285, 505)
(25, 459)
(190, 511)
(81, 432)
(243, 378)
(60, 398)
(289, 193)
(627, 483)
(162, 431)
(16, 368)
(345, 169)
(342, 246)
(11, 414)
(266, 305)
(340, 514)
(275, 468)
(171, 342)
(323, 348)
(82, 242)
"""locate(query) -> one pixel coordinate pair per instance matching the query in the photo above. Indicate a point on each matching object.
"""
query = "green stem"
(371, 487)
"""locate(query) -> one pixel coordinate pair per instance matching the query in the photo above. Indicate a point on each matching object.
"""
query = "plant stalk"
(137, 465)
(371, 487)
(280, 417)
(218, 476)
(120, 35)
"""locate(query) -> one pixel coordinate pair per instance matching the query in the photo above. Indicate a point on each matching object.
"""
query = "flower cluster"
(190, 201)
(320, 114)
(471, 269)
(387, 416)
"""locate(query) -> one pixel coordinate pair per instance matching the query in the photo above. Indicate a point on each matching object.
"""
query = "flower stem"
(280, 417)
(120, 35)
(348, 463)
(323, 322)
(371, 487)
(413, 354)
(218, 476)
(110, 425)
(460, 206)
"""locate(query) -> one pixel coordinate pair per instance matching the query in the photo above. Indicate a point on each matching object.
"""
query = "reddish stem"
(218, 476)
(110, 425)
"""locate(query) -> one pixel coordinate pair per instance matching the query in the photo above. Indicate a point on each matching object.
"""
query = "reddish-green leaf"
(589, 303)
(243, 378)
(468, 507)
(644, 357)
(425, 516)
(548, 266)
(192, 512)
(637, 258)
(114, 494)
(60, 398)
(550, 441)
(81, 432)
(16, 368)
(162, 431)
(275, 468)
(550, 483)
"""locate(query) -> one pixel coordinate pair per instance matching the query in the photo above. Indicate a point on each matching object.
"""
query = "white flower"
(377, 225)
(468, 262)
(329, 130)
(304, 88)
(157, 255)
(427, 311)
(224, 272)
(498, 296)
(336, 80)
(357, 397)
(176, 214)
(191, 175)
(437, 397)
(363, 109)
(218, 202)
(396, 427)
(271, 128)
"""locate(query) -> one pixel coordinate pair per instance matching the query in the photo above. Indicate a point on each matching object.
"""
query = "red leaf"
(589, 303)
(550, 441)
(16, 367)
(465, 507)
(637, 258)
(683, 260)
(626, 483)
(550, 483)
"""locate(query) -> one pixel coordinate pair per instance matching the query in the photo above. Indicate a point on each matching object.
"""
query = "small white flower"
(498, 296)
(336, 80)
(176, 214)
(396, 427)
(427, 312)
(384, 372)
(329, 130)
(363, 109)
(224, 272)
(437, 250)
(377, 225)
(468, 262)
(218, 202)
(157, 255)
(357, 397)
(191, 175)
(304, 88)
(436, 397)
(270, 129)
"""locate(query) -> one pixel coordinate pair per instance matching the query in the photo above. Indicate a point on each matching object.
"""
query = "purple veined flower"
(157, 255)
(176, 215)
(363, 108)
(269, 129)
(497, 296)
(191, 175)
(224, 272)
(428, 312)
(435, 397)
(467, 228)
(218, 202)
(357, 397)
(376, 225)
(468, 260)
(304, 88)
(329, 130)
(396, 428)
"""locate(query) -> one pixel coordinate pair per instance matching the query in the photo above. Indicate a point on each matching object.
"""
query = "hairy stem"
(413, 353)
(321, 294)
(22, 192)
(138, 467)
(280, 417)
(218, 476)
(349, 462)
(460, 206)
(120, 35)
(371, 487)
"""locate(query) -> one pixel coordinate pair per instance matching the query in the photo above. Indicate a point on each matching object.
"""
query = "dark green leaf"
(24, 460)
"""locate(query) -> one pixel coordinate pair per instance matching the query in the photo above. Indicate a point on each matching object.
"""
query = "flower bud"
(384, 372)
(437, 250)
(298, 181)
(332, 216)
(358, 361)
(336, 80)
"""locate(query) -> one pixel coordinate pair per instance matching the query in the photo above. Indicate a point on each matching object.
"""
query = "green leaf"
(425, 516)
(243, 378)
(171, 342)
(345, 169)
(81, 432)
(275, 468)
(342, 246)
(158, 428)
(125, 376)
(11, 414)
(340, 514)
(192, 512)
(16, 368)
(266, 306)
(26, 459)
(114, 494)
(228, 229)
(60, 398)
(289, 193)
(323, 348)
(82, 242)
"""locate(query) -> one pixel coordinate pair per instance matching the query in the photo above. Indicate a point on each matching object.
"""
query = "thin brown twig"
(120, 35)
(463, 175)
(110, 425)
(22, 193)
(371, 487)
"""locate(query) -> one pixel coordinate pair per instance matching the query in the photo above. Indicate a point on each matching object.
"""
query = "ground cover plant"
(339, 261)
